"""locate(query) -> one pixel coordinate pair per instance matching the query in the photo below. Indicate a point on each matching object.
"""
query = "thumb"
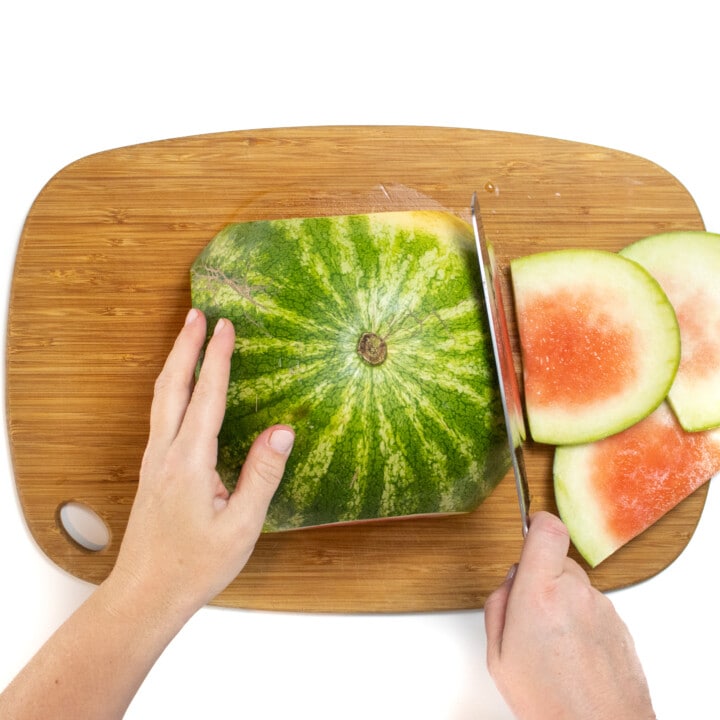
(261, 474)
(544, 554)
(495, 609)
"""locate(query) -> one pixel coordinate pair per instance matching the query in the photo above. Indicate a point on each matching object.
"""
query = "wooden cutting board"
(101, 287)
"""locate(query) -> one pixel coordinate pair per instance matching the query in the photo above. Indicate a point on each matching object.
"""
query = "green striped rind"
(420, 433)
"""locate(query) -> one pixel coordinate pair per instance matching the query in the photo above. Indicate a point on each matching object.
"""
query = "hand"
(186, 538)
(556, 647)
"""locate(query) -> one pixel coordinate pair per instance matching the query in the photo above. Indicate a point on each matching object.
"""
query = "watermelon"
(599, 340)
(367, 335)
(687, 266)
(609, 491)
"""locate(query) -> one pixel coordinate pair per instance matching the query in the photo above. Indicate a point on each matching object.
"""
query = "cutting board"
(101, 287)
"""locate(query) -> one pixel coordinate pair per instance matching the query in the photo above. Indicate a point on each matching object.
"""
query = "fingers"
(204, 415)
(545, 550)
(261, 474)
(495, 609)
(174, 385)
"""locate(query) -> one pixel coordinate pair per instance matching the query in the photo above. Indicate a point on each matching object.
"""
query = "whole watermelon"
(365, 333)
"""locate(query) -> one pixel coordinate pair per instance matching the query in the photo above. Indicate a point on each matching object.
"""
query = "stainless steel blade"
(502, 350)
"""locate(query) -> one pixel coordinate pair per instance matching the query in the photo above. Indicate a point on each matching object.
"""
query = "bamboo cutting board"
(101, 287)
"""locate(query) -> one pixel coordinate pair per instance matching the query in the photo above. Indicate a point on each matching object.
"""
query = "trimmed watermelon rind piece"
(621, 294)
(687, 266)
(685, 462)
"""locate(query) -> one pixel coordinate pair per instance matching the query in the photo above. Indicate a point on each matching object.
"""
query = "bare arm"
(556, 647)
(185, 542)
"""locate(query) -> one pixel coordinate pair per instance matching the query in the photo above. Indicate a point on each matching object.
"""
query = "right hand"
(556, 647)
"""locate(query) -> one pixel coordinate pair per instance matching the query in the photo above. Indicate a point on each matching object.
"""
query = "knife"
(507, 380)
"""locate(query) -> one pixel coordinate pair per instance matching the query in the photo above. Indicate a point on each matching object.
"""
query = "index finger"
(545, 550)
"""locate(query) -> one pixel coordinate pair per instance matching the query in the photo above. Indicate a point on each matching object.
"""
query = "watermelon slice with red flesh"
(599, 339)
(611, 490)
(687, 266)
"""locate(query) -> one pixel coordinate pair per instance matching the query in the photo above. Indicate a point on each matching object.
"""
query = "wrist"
(145, 603)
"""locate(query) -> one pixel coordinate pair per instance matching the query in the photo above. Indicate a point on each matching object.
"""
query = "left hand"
(187, 538)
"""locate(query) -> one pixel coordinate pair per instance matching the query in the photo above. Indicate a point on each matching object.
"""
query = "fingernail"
(219, 326)
(511, 572)
(281, 440)
(191, 316)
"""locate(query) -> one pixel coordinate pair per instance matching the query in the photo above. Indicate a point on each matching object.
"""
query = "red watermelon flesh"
(611, 490)
(687, 266)
(599, 340)
(575, 354)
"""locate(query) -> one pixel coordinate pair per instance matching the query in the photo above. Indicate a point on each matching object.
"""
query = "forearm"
(96, 661)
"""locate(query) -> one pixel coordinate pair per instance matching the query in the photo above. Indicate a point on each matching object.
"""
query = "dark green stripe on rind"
(421, 432)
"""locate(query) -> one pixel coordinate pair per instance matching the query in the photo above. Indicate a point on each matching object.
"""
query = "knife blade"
(504, 365)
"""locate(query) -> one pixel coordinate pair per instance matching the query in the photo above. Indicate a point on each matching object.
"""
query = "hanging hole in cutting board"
(83, 526)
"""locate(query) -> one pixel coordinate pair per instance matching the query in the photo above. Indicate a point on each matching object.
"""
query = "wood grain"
(101, 286)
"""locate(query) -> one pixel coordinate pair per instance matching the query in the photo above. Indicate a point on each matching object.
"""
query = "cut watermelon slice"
(600, 343)
(609, 491)
(687, 266)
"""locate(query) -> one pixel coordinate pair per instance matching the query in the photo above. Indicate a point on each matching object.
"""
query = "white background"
(82, 77)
